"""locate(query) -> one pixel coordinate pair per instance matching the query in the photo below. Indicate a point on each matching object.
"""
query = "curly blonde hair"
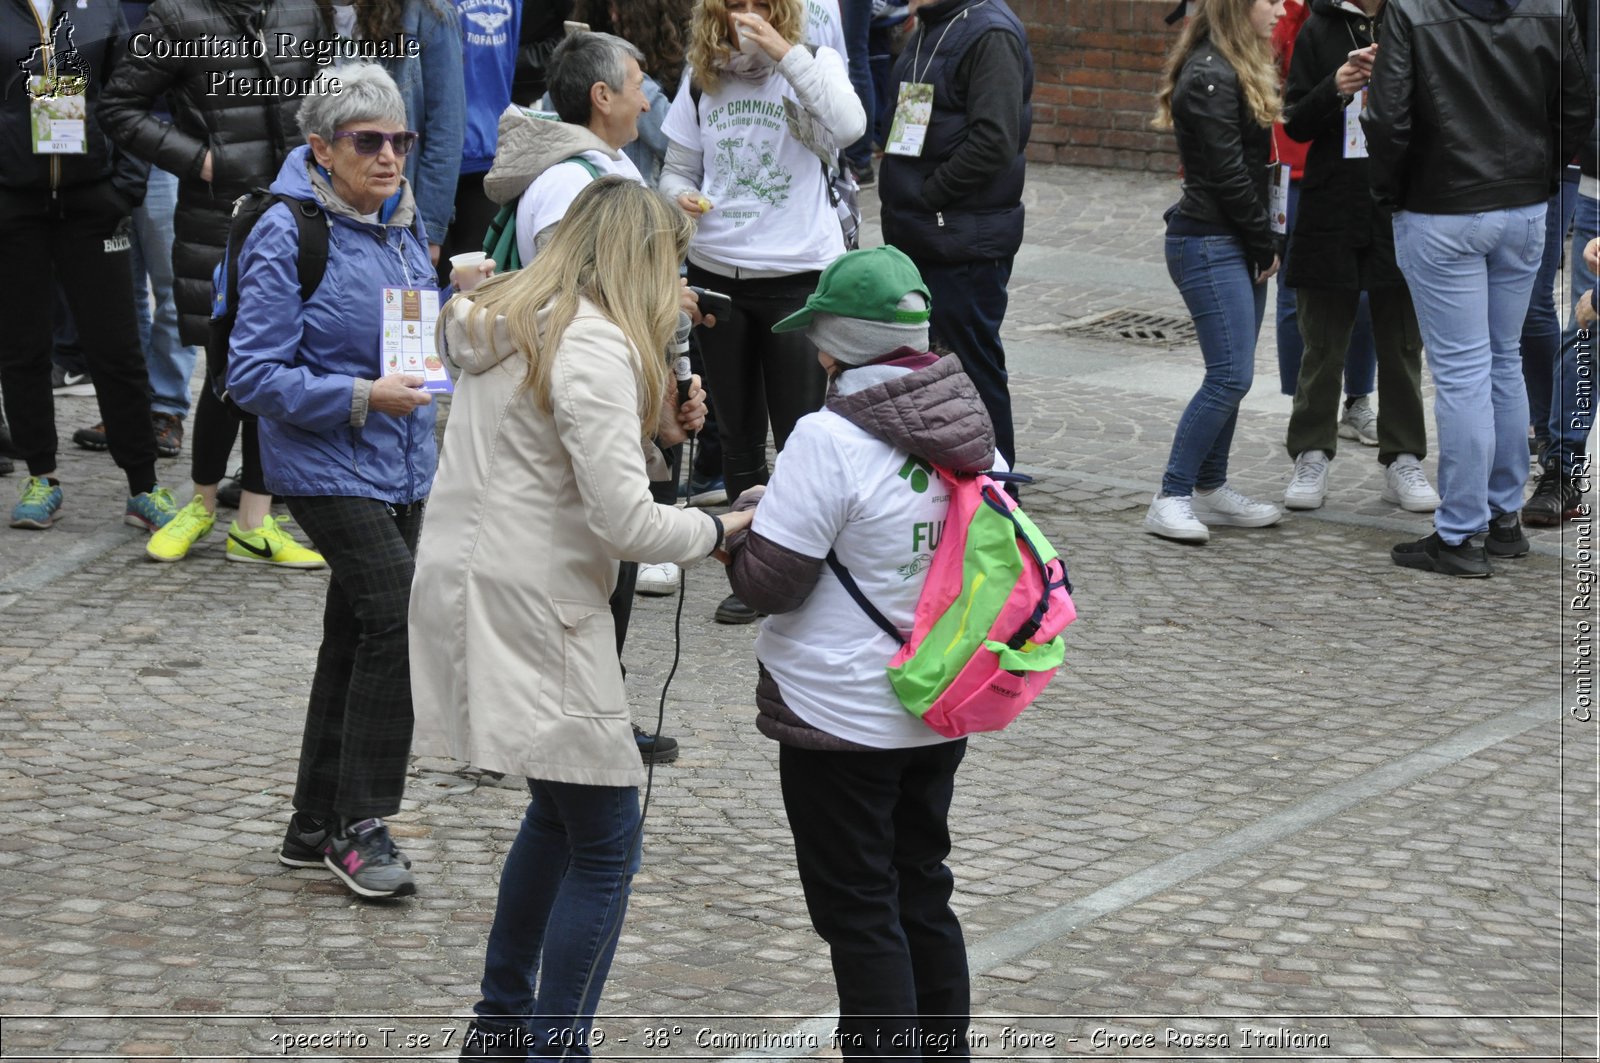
(1227, 24)
(710, 48)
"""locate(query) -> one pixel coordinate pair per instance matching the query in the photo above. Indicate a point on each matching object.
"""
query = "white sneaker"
(1227, 506)
(1406, 485)
(1309, 485)
(1360, 422)
(657, 581)
(1172, 518)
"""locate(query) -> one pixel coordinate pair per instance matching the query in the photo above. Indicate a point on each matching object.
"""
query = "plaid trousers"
(357, 741)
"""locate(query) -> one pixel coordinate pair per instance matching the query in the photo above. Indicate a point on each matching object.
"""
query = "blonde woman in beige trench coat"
(542, 489)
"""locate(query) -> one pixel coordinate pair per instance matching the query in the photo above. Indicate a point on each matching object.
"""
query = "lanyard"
(917, 55)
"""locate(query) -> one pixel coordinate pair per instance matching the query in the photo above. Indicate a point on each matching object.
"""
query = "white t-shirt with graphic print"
(545, 202)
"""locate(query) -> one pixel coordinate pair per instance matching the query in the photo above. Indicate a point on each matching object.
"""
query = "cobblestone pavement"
(1286, 801)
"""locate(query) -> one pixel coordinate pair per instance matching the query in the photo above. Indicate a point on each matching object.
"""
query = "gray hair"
(350, 93)
(580, 61)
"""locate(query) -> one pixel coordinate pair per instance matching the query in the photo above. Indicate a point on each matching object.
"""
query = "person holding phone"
(1219, 94)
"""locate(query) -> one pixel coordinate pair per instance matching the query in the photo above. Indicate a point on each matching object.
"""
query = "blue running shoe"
(150, 510)
(38, 505)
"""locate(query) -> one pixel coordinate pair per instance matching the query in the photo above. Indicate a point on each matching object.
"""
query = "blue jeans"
(857, 18)
(563, 896)
(1570, 419)
(1360, 360)
(1470, 277)
(1541, 328)
(170, 363)
(1214, 277)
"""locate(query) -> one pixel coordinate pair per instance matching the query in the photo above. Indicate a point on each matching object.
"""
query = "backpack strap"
(849, 583)
(312, 222)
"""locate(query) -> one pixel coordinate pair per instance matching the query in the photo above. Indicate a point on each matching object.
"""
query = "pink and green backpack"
(986, 635)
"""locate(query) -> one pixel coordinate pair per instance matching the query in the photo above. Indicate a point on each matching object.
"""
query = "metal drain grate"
(1136, 326)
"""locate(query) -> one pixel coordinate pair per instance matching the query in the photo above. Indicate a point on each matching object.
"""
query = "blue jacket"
(436, 107)
(489, 31)
(295, 364)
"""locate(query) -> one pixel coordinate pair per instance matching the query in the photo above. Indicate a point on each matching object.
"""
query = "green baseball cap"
(864, 284)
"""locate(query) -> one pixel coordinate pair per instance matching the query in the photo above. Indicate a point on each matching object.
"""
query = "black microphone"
(679, 353)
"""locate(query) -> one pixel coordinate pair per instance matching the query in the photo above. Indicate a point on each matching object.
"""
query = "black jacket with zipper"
(1341, 240)
(1225, 154)
(97, 33)
(1475, 105)
(248, 135)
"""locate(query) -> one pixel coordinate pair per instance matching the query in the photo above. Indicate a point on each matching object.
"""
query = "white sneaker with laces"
(1360, 422)
(1226, 506)
(657, 581)
(1406, 485)
(1172, 518)
(1309, 485)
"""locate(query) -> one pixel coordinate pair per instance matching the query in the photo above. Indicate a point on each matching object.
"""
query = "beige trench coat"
(513, 653)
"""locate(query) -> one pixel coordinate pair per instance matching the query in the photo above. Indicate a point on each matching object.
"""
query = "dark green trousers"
(1326, 318)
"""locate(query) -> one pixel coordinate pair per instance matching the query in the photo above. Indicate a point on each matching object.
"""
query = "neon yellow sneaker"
(187, 527)
(270, 545)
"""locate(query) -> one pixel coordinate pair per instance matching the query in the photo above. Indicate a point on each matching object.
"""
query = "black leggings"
(216, 426)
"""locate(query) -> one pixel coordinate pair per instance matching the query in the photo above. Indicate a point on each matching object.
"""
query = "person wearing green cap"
(866, 785)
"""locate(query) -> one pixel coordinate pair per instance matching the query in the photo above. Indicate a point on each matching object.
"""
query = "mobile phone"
(714, 303)
(574, 27)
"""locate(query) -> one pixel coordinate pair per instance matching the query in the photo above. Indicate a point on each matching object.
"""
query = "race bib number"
(1355, 138)
(58, 119)
(409, 316)
(911, 117)
(1278, 201)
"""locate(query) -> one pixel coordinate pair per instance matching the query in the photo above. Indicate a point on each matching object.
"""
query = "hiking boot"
(1359, 421)
(1406, 485)
(364, 858)
(1505, 537)
(657, 581)
(1554, 495)
(269, 545)
(305, 843)
(38, 505)
(92, 438)
(188, 526)
(1172, 517)
(151, 510)
(229, 490)
(1433, 554)
(699, 491)
(1225, 506)
(655, 749)
(732, 611)
(169, 434)
(485, 1040)
(1309, 484)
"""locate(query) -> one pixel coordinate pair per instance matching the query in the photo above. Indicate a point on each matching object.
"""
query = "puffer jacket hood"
(530, 143)
(1488, 10)
(932, 411)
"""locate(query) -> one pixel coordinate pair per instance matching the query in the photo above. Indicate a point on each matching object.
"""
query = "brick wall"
(1095, 68)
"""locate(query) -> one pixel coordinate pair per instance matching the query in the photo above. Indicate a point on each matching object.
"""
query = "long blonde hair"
(619, 246)
(709, 46)
(1227, 23)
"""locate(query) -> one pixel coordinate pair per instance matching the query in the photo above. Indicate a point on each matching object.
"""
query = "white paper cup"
(467, 259)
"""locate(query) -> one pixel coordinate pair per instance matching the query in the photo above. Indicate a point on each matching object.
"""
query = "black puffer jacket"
(1225, 154)
(1475, 104)
(1340, 239)
(90, 42)
(247, 134)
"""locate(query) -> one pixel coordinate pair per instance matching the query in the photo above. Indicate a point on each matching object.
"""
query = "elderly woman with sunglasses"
(351, 451)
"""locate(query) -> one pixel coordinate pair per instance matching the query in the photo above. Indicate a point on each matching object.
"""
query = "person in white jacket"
(542, 490)
(750, 137)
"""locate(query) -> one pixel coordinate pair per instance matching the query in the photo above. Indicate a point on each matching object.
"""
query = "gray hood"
(932, 412)
(530, 143)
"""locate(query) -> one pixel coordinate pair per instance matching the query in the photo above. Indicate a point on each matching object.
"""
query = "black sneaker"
(304, 843)
(1554, 495)
(228, 493)
(8, 446)
(864, 175)
(64, 381)
(365, 859)
(169, 434)
(1505, 537)
(7, 466)
(733, 611)
(1433, 554)
(92, 438)
(485, 1040)
(655, 749)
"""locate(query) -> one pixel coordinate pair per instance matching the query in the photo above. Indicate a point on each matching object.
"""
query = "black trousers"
(753, 374)
(82, 237)
(969, 305)
(871, 834)
(216, 425)
(357, 740)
